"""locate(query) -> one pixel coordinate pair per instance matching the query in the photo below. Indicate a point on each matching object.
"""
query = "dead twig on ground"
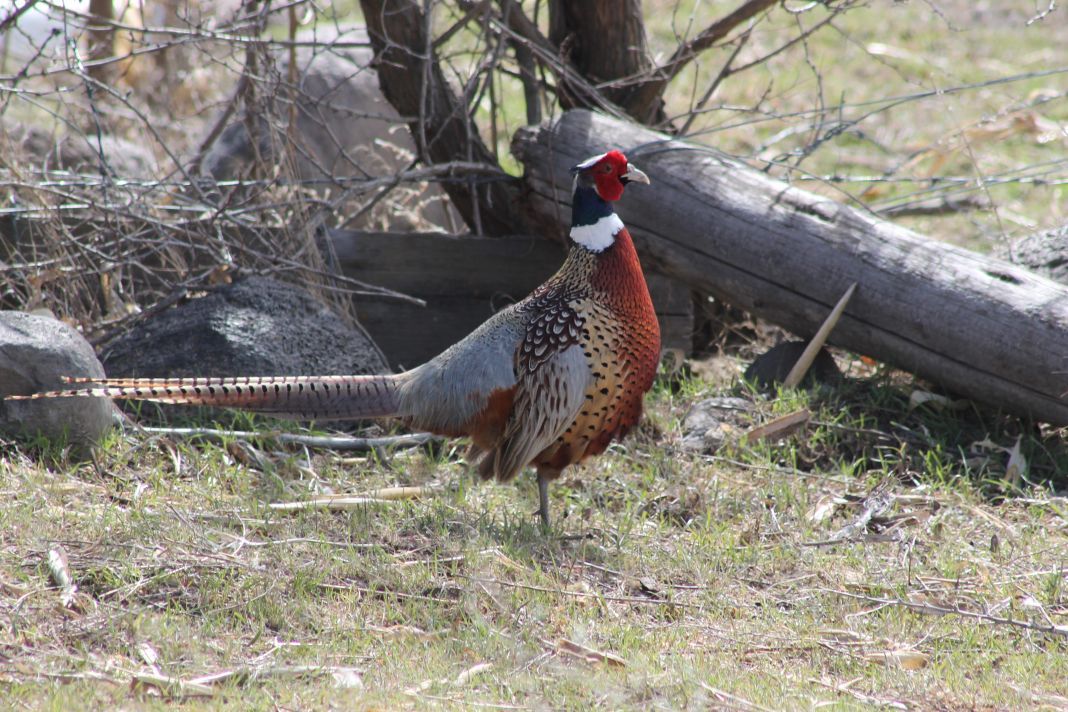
(330, 442)
(931, 609)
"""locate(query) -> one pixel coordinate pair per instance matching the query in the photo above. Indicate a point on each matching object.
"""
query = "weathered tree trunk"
(982, 327)
(412, 80)
(605, 41)
(101, 37)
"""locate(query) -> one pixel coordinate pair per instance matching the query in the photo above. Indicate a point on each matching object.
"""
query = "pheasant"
(549, 381)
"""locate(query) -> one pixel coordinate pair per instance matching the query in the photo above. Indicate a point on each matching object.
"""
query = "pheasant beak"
(633, 175)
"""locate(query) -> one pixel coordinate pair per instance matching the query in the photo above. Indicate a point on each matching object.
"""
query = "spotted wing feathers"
(554, 326)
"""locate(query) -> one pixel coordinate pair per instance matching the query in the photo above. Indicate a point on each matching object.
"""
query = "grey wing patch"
(448, 391)
(547, 401)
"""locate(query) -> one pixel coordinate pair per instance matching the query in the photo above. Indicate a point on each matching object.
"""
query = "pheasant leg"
(544, 477)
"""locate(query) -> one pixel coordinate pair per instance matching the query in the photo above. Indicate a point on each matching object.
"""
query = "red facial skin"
(607, 173)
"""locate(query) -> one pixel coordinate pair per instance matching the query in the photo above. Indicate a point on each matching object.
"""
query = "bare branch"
(712, 34)
(415, 85)
(606, 43)
(15, 14)
(524, 57)
(521, 30)
(650, 90)
(329, 442)
(932, 609)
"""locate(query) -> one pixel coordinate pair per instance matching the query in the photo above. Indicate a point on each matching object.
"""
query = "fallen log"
(977, 325)
(463, 280)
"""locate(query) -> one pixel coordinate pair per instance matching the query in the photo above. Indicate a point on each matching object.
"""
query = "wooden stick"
(346, 502)
(797, 373)
(330, 442)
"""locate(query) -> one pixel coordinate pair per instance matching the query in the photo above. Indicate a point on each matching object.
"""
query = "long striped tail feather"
(298, 397)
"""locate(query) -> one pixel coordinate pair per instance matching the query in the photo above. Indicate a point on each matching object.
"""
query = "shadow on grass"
(869, 425)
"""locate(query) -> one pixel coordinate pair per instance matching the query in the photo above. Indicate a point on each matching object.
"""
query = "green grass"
(692, 577)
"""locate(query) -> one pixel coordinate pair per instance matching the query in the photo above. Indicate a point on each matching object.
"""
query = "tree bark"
(412, 80)
(101, 37)
(977, 325)
(605, 41)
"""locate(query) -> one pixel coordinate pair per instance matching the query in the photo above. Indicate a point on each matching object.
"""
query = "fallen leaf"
(467, 675)
(59, 568)
(841, 635)
(574, 649)
(1030, 602)
(175, 456)
(167, 686)
(147, 653)
(347, 678)
(824, 509)
(1016, 469)
(936, 401)
(904, 659)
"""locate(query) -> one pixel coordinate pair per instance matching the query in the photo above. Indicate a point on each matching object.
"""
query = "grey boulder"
(710, 422)
(254, 327)
(35, 352)
(347, 131)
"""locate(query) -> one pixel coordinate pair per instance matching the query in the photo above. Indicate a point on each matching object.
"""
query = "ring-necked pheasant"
(548, 381)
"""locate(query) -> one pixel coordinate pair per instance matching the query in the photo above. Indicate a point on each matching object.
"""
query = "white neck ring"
(599, 236)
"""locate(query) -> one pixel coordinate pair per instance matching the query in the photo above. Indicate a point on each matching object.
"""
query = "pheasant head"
(599, 181)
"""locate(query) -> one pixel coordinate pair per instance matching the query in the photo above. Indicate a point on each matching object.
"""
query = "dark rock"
(49, 151)
(255, 327)
(710, 422)
(771, 367)
(35, 352)
(1043, 252)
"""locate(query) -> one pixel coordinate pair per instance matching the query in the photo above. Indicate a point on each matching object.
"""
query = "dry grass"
(671, 580)
(882, 556)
